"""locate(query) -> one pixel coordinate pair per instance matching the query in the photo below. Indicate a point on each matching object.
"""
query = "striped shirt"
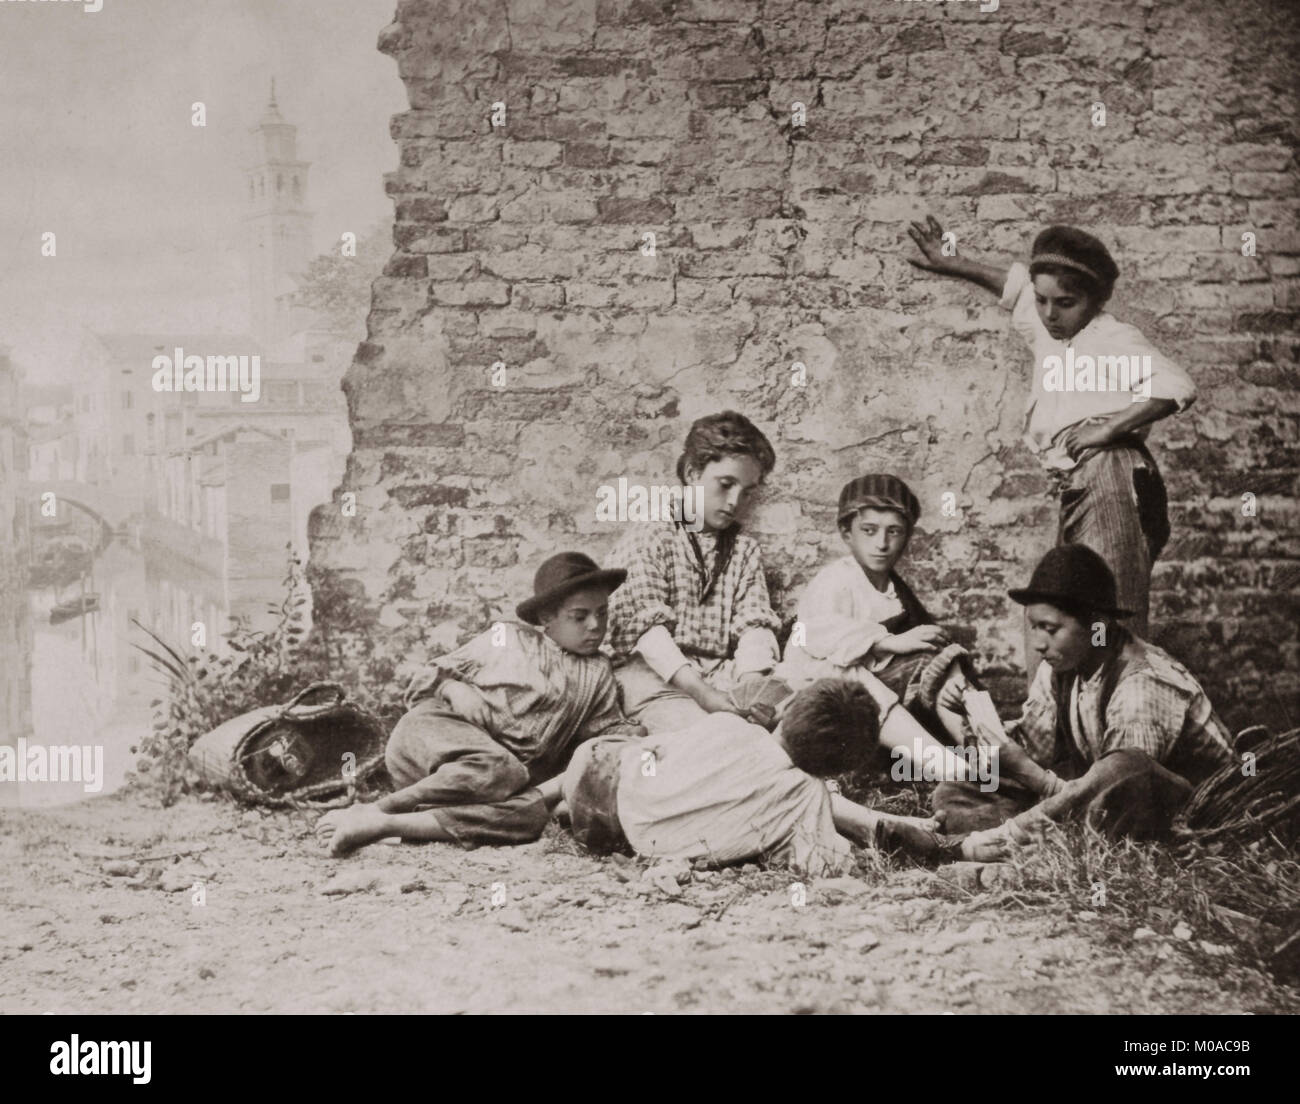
(665, 581)
(1155, 706)
(540, 699)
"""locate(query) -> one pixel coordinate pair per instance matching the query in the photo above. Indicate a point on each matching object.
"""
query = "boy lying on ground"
(1127, 731)
(726, 790)
(490, 721)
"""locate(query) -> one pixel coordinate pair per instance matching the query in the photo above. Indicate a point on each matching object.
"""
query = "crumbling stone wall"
(520, 245)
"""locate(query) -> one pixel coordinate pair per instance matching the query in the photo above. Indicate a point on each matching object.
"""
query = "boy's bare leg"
(342, 830)
(899, 729)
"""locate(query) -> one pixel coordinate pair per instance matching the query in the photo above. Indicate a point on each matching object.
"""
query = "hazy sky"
(96, 145)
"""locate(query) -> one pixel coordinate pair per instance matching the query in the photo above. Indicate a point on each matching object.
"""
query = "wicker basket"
(314, 751)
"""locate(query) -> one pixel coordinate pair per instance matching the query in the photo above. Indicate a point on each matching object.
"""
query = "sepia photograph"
(623, 507)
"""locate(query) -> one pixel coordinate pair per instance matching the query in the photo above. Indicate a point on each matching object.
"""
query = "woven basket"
(1231, 805)
(313, 752)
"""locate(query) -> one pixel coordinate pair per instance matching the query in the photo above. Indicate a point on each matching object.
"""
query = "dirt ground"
(99, 914)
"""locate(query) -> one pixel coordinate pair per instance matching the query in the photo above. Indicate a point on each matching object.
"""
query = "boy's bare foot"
(342, 830)
(998, 844)
(990, 845)
(917, 836)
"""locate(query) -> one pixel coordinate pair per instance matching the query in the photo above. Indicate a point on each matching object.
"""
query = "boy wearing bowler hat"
(1126, 731)
(488, 722)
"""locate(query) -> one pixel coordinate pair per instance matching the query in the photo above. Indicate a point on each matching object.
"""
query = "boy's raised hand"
(928, 237)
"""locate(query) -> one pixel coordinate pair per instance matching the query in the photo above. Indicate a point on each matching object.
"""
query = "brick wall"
(778, 244)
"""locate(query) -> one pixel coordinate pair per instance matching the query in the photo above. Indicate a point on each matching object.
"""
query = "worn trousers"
(479, 791)
(1125, 793)
(1115, 502)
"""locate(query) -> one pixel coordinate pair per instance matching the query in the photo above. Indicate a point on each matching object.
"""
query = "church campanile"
(278, 222)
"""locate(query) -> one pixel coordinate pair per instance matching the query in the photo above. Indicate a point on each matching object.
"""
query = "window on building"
(279, 492)
(128, 400)
(128, 444)
(282, 391)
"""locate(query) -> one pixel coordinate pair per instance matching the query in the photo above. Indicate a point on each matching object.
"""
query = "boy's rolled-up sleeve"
(1168, 380)
(464, 664)
(814, 848)
(658, 648)
(1018, 298)
(1144, 714)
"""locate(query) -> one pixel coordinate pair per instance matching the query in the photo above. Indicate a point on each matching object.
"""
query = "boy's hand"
(950, 697)
(1080, 437)
(922, 638)
(761, 714)
(928, 237)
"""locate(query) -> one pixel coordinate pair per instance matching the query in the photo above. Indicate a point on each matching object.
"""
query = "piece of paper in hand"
(984, 718)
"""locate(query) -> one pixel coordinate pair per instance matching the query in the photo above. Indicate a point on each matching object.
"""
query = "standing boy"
(490, 721)
(1088, 429)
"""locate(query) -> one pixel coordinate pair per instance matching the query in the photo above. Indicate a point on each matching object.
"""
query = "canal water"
(83, 682)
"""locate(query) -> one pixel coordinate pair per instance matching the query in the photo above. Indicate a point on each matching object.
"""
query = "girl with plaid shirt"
(692, 630)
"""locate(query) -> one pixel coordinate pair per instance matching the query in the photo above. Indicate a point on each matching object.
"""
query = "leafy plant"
(260, 667)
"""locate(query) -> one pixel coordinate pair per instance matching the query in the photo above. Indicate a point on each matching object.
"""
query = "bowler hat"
(1075, 577)
(560, 576)
(878, 492)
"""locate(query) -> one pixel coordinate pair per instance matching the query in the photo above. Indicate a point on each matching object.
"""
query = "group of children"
(696, 738)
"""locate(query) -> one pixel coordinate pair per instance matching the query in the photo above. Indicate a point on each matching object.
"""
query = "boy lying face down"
(725, 789)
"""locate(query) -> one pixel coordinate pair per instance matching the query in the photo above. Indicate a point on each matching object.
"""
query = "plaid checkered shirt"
(1156, 706)
(664, 584)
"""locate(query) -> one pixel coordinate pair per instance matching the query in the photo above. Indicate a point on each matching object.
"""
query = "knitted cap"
(878, 492)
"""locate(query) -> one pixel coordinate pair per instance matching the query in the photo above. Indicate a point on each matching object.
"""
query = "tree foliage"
(338, 286)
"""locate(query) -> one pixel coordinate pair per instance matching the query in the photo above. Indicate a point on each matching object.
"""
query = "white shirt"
(842, 617)
(1049, 412)
(725, 789)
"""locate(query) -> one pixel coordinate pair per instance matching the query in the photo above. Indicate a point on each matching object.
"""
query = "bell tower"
(278, 223)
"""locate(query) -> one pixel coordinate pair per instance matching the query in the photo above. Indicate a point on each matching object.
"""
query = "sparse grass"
(1245, 898)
